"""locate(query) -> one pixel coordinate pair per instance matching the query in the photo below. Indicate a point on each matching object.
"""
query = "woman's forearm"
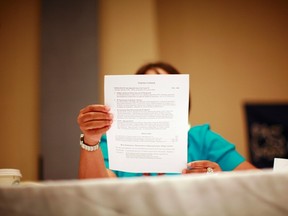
(92, 165)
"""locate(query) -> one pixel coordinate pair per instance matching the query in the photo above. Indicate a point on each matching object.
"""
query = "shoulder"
(203, 132)
(199, 131)
(203, 135)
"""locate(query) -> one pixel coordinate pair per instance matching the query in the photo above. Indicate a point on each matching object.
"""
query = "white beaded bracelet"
(86, 147)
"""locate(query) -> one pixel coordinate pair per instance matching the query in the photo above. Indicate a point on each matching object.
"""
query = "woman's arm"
(245, 166)
(93, 120)
(92, 165)
(202, 166)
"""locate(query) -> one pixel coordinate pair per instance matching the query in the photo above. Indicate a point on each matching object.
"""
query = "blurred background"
(55, 53)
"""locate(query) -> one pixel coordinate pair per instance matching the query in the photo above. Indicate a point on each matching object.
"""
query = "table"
(263, 192)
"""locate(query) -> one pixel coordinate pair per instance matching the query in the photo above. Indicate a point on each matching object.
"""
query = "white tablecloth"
(236, 193)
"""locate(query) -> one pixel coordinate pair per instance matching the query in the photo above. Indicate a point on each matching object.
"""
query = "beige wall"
(19, 38)
(235, 51)
(128, 36)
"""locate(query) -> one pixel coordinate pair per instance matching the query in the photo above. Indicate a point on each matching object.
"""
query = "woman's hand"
(94, 120)
(202, 166)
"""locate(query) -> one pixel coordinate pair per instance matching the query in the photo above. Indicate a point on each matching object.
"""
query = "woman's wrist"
(88, 147)
(91, 141)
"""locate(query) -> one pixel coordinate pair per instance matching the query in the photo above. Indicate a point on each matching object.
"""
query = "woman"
(207, 151)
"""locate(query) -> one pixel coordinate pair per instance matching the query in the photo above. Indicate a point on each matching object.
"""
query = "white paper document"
(149, 130)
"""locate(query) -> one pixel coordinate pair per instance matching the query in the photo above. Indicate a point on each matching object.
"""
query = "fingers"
(95, 108)
(94, 120)
(201, 166)
(94, 116)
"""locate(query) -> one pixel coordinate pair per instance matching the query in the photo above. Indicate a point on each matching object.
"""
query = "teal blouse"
(203, 144)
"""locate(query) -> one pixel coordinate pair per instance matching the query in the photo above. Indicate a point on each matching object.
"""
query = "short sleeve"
(204, 144)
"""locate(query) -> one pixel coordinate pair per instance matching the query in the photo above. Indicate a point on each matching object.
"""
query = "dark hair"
(154, 66)
(164, 66)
